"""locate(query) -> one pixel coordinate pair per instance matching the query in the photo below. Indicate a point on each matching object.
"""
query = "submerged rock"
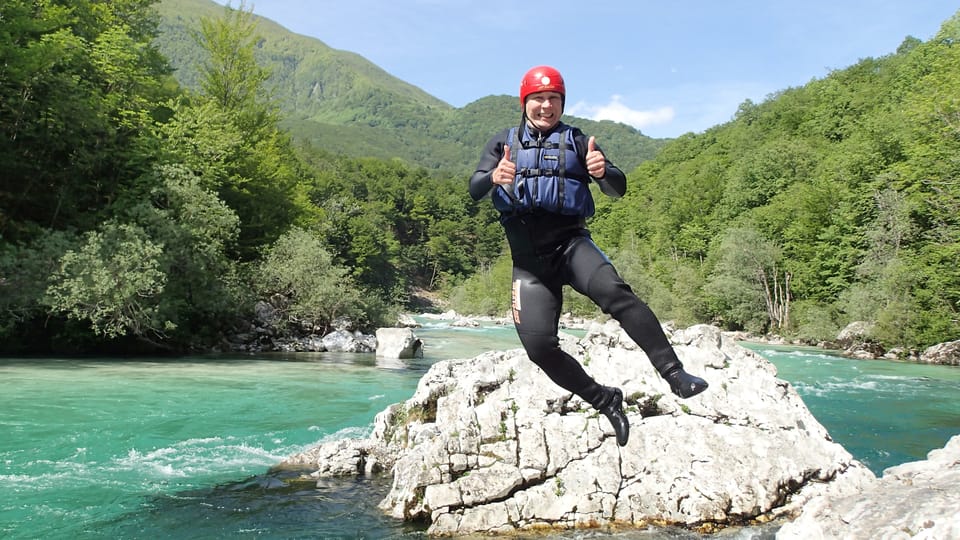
(491, 445)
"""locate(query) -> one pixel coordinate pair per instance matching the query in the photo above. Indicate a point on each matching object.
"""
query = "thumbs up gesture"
(596, 163)
(506, 170)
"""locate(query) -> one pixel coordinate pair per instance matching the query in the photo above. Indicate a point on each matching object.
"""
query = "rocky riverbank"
(263, 335)
(853, 342)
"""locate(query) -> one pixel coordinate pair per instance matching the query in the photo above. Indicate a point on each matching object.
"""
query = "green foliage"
(79, 85)
(197, 229)
(399, 227)
(305, 285)
(340, 102)
(833, 202)
(231, 77)
(199, 181)
(669, 300)
(111, 282)
(733, 287)
(487, 292)
(24, 272)
(257, 178)
(131, 209)
(162, 276)
(813, 322)
(847, 185)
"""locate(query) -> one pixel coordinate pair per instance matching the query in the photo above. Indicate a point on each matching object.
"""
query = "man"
(538, 176)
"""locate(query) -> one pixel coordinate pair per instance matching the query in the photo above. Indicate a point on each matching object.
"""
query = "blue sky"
(664, 67)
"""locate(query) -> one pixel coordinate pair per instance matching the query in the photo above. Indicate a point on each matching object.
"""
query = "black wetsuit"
(549, 251)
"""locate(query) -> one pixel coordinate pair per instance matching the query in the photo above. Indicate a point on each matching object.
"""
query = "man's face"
(543, 109)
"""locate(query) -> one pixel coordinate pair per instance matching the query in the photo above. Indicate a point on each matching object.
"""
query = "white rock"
(509, 450)
(398, 343)
(913, 500)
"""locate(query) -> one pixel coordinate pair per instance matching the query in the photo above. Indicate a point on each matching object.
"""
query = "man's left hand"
(596, 163)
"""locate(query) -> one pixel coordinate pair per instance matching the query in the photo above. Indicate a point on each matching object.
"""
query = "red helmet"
(541, 79)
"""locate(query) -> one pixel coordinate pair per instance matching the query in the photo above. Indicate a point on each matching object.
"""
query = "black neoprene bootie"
(612, 408)
(684, 384)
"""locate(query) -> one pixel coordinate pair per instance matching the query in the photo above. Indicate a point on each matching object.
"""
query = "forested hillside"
(136, 214)
(340, 102)
(139, 214)
(834, 202)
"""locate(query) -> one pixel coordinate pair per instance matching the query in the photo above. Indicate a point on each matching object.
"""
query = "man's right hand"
(506, 170)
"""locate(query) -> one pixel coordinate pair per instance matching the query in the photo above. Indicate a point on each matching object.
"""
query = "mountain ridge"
(339, 102)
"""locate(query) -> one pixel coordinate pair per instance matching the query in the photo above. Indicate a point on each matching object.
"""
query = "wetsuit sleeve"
(614, 182)
(481, 183)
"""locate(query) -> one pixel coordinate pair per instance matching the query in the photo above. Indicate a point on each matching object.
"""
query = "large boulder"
(405, 320)
(491, 445)
(947, 354)
(347, 341)
(913, 500)
(854, 333)
(398, 343)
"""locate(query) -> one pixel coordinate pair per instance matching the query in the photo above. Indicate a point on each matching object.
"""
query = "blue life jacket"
(550, 176)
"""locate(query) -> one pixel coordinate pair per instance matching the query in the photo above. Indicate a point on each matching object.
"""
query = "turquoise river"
(181, 448)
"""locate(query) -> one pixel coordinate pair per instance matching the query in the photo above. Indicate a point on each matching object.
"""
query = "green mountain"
(833, 202)
(341, 103)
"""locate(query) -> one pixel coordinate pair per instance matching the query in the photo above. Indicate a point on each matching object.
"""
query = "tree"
(25, 270)
(231, 77)
(747, 276)
(306, 286)
(202, 297)
(258, 172)
(486, 292)
(112, 282)
(79, 87)
(158, 271)
(849, 183)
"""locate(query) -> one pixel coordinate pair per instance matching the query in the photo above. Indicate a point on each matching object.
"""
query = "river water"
(148, 448)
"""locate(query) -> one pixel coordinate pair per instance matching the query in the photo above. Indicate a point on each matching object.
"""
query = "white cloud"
(617, 111)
